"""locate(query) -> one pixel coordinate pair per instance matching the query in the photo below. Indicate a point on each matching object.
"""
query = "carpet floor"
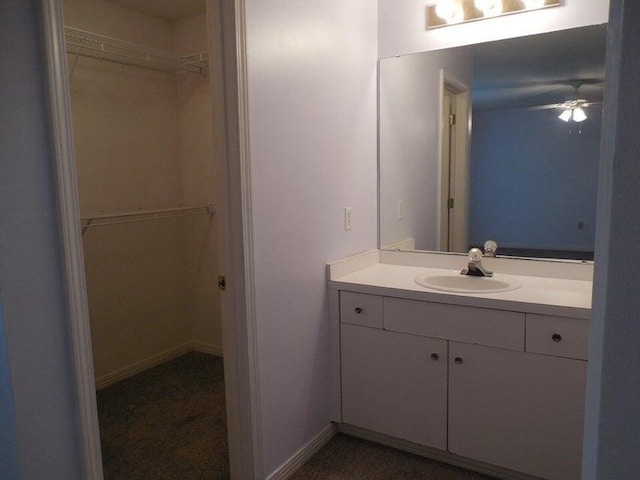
(166, 423)
(349, 458)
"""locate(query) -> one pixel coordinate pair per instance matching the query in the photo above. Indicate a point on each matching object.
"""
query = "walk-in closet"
(141, 106)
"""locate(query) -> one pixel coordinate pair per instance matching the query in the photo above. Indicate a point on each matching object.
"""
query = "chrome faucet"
(475, 267)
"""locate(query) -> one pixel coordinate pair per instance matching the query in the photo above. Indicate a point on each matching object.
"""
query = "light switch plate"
(348, 218)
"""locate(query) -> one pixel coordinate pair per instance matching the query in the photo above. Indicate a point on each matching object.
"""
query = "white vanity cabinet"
(500, 387)
(395, 384)
(519, 410)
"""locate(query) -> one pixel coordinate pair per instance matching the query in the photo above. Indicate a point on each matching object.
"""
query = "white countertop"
(542, 295)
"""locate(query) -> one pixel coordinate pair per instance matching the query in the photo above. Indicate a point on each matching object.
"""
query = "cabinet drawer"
(559, 336)
(361, 309)
(498, 328)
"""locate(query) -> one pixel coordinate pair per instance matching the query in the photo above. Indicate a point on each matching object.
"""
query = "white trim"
(253, 408)
(435, 454)
(142, 365)
(69, 221)
(235, 242)
(406, 244)
(209, 348)
(227, 17)
(303, 455)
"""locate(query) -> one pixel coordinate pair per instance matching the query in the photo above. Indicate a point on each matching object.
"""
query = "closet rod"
(145, 216)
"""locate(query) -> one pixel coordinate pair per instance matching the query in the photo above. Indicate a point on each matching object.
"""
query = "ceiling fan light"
(566, 115)
(579, 115)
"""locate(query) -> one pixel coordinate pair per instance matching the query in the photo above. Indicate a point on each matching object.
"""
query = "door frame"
(452, 231)
(235, 248)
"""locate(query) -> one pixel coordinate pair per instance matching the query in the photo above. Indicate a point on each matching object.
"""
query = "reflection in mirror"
(522, 176)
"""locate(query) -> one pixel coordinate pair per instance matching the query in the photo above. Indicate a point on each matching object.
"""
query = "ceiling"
(170, 10)
(540, 69)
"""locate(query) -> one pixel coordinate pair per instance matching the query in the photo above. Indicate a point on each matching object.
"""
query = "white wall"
(312, 112)
(612, 430)
(410, 92)
(402, 25)
(31, 278)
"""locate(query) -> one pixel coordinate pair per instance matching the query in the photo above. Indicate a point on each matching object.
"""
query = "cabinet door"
(394, 383)
(519, 410)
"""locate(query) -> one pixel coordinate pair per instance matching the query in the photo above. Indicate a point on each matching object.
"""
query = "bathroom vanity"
(491, 381)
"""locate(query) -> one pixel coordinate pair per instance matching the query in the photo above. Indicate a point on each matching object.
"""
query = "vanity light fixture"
(449, 12)
(532, 4)
(489, 7)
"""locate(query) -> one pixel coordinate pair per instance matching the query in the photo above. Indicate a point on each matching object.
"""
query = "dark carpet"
(166, 423)
(351, 458)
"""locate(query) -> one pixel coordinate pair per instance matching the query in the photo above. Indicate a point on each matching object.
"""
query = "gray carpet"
(166, 423)
(348, 458)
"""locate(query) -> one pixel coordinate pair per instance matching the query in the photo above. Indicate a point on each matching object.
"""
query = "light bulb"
(566, 115)
(446, 9)
(484, 4)
(579, 115)
(458, 15)
(534, 3)
(489, 7)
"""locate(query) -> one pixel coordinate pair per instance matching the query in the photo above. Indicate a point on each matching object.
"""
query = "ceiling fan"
(572, 109)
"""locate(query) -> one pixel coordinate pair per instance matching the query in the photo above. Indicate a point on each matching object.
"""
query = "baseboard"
(435, 454)
(208, 348)
(153, 361)
(299, 458)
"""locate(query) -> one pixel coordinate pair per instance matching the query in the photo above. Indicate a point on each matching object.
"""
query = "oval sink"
(454, 282)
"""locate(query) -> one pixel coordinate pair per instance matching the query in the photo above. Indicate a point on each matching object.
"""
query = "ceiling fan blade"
(545, 107)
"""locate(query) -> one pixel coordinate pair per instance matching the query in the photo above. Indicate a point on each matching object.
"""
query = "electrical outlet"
(348, 218)
(400, 213)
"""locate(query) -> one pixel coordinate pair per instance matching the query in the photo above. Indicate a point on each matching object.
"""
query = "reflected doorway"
(454, 165)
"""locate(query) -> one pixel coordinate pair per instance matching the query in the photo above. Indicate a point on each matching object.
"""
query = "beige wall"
(143, 142)
(198, 179)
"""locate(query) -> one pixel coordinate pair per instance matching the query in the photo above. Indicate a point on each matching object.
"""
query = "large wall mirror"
(495, 141)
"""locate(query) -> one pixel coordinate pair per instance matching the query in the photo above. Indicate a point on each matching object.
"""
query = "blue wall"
(31, 273)
(533, 178)
(9, 466)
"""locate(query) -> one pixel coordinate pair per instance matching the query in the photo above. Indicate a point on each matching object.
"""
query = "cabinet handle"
(359, 310)
(458, 360)
(556, 337)
(435, 357)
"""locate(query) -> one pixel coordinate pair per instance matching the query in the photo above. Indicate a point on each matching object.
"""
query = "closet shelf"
(145, 216)
(88, 44)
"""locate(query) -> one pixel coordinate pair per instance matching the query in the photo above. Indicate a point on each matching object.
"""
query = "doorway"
(141, 108)
(454, 164)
